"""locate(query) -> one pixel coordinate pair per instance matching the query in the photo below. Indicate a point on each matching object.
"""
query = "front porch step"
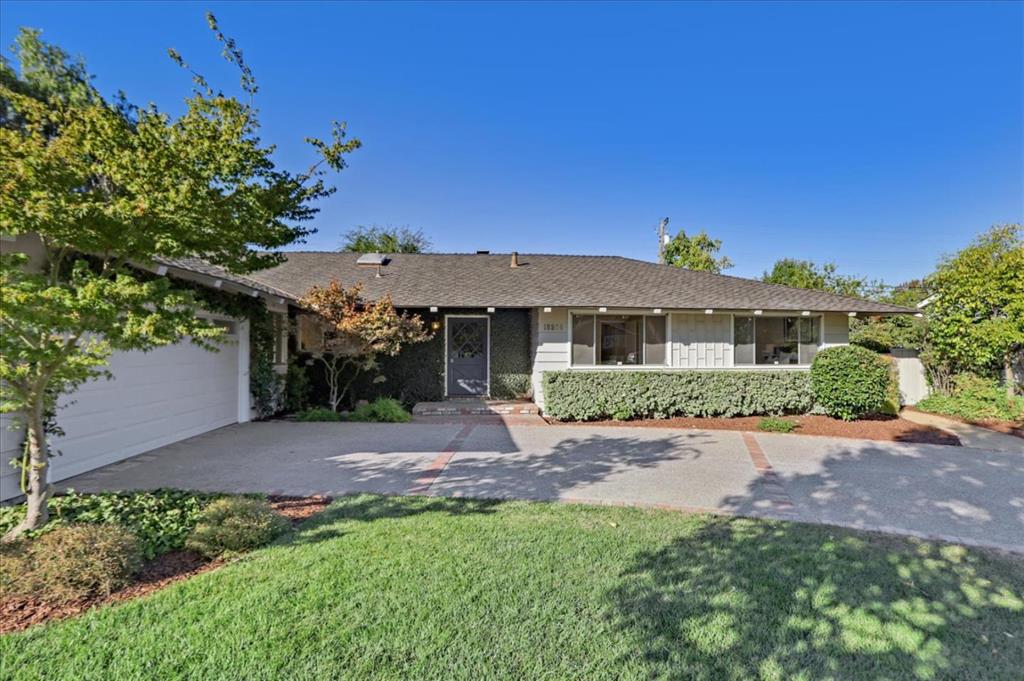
(474, 408)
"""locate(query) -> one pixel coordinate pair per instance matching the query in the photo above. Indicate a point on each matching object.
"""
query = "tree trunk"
(1008, 378)
(39, 490)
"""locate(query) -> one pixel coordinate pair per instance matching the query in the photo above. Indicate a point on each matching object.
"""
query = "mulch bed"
(1004, 427)
(888, 428)
(17, 614)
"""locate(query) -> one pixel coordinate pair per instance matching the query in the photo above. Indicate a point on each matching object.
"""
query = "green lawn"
(425, 588)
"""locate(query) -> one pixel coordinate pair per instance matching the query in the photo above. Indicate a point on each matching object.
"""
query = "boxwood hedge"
(589, 395)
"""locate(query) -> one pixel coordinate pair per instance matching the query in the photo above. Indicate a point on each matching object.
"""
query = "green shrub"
(891, 405)
(381, 410)
(233, 525)
(318, 414)
(589, 395)
(160, 519)
(70, 562)
(975, 399)
(850, 381)
(774, 424)
(296, 388)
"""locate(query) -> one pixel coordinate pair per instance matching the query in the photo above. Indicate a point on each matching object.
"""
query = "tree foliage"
(695, 253)
(375, 239)
(106, 187)
(356, 333)
(809, 275)
(881, 333)
(976, 319)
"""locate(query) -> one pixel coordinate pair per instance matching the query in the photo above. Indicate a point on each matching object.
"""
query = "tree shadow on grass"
(365, 508)
(744, 599)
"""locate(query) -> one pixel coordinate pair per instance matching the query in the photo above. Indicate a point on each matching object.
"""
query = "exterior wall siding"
(701, 341)
(550, 347)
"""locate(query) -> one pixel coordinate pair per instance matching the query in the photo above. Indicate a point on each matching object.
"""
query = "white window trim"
(670, 360)
(799, 364)
(643, 314)
(487, 392)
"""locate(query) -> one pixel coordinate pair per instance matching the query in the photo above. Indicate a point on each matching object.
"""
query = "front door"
(467, 356)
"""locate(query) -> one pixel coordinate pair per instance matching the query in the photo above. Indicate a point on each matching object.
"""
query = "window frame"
(667, 343)
(799, 341)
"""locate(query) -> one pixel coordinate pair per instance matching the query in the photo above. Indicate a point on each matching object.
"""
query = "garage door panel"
(155, 398)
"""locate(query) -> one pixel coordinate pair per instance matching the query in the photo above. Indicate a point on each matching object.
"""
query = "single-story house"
(500, 322)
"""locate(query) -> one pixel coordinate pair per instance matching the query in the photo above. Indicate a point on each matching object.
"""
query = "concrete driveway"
(960, 494)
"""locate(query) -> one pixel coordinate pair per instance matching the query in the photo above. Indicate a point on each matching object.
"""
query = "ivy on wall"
(416, 374)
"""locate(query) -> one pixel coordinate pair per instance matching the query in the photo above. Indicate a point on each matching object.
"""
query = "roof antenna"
(662, 239)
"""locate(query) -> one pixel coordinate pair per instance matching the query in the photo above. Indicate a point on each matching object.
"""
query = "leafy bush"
(382, 410)
(975, 399)
(850, 381)
(589, 395)
(318, 414)
(233, 525)
(70, 562)
(160, 519)
(296, 388)
(774, 424)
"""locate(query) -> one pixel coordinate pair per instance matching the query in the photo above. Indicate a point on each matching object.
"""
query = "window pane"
(583, 339)
(654, 340)
(810, 338)
(618, 340)
(743, 340)
(776, 340)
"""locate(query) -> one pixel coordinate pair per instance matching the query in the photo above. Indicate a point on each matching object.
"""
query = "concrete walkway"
(970, 436)
(973, 496)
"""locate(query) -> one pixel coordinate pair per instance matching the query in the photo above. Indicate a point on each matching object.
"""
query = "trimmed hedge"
(850, 381)
(590, 395)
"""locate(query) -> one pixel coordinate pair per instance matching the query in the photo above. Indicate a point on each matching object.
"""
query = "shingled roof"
(488, 280)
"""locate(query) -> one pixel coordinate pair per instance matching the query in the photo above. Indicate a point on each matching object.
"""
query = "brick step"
(474, 408)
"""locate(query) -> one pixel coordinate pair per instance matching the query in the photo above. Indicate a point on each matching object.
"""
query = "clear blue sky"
(878, 136)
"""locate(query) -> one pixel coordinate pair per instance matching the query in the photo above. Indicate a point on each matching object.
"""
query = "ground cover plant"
(318, 414)
(381, 410)
(975, 399)
(160, 519)
(774, 424)
(396, 588)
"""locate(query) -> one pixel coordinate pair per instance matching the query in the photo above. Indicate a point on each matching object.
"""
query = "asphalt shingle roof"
(470, 280)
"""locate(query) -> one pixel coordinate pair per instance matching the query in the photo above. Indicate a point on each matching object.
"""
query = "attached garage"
(154, 399)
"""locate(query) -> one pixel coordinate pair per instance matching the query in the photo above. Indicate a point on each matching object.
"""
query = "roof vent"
(515, 259)
(483, 252)
(372, 259)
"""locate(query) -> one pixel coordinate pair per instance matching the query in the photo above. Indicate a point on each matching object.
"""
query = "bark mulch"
(887, 428)
(18, 613)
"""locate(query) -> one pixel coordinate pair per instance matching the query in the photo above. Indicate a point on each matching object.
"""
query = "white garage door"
(154, 399)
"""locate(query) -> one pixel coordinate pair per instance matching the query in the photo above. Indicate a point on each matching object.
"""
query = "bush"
(850, 381)
(975, 399)
(296, 388)
(70, 562)
(589, 395)
(233, 525)
(382, 410)
(773, 424)
(160, 519)
(318, 414)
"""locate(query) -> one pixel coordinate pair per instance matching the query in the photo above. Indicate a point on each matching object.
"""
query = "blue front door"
(467, 356)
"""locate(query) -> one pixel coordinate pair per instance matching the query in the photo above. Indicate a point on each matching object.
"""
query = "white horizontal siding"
(836, 329)
(550, 347)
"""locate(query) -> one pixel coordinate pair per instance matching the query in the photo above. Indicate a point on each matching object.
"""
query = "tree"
(107, 186)
(806, 274)
(356, 332)
(695, 253)
(374, 239)
(880, 333)
(976, 319)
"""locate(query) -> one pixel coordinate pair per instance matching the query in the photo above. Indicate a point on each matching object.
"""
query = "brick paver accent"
(431, 472)
(778, 497)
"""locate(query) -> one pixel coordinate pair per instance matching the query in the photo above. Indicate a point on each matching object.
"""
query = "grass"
(398, 588)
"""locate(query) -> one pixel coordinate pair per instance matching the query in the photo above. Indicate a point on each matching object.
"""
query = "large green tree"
(698, 252)
(807, 274)
(976, 317)
(108, 186)
(376, 239)
(881, 333)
